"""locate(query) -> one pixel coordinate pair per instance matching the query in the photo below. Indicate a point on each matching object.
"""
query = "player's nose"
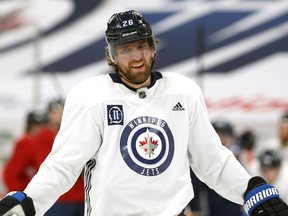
(136, 54)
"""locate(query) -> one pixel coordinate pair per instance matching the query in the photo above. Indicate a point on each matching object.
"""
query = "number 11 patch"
(115, 114)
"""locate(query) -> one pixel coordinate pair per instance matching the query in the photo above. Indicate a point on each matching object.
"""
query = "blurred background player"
(206, 201)
(32, 149)
(283, 135)
(275, 171)
(227, 135)
(246, 141)
(72, 202)
(280, 139)
(21, 167)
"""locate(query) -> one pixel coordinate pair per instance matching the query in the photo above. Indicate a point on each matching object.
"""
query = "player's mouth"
(138, 66)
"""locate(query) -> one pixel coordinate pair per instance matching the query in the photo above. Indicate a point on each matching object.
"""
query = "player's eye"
(143, 46)
(124, 50)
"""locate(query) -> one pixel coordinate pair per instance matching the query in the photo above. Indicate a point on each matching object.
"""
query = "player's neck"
(136, 86)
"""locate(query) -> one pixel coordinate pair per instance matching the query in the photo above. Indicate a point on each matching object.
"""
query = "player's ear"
(154, 53)
(155, 42)
(110, 56)
(112, 53)
(114, 59)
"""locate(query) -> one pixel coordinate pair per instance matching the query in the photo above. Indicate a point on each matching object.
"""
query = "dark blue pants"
(66, 209)
(71, 210)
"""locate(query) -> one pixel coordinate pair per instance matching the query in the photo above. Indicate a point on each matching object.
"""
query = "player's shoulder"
(98, 81)
(91, 84)
(178, 77)
(90, 90)
(180, 81)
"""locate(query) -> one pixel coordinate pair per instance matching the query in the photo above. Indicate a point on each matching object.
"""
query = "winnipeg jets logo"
(147, 145)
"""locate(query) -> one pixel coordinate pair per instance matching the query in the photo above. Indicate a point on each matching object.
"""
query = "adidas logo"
(178, 107)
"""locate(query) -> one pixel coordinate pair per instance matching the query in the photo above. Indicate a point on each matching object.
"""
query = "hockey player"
(136, 132)
(21, 166)
(274, 169)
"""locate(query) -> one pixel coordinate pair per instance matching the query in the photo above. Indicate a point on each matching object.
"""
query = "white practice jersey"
(136, 147)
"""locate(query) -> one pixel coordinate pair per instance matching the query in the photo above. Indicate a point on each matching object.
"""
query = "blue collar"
(155, 75)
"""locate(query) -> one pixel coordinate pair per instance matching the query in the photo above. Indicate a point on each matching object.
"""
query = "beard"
(135, 75)
(136, 78)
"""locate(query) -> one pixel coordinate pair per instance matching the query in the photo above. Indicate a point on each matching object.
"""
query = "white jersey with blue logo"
(136, 148)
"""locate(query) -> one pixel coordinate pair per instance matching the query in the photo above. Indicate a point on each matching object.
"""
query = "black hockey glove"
(17, 204)
(262, 199)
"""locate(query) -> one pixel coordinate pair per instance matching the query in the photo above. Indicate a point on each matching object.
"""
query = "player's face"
(55, 117)
(283, 131)
(134, 61)
(270, 174)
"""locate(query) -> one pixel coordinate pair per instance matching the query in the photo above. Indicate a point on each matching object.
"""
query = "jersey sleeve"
(212, 162)
(76, 142)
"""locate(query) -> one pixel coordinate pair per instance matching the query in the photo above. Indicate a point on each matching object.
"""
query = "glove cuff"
(259, 195)
(18, 202)
(18, 195)
(253, 183)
